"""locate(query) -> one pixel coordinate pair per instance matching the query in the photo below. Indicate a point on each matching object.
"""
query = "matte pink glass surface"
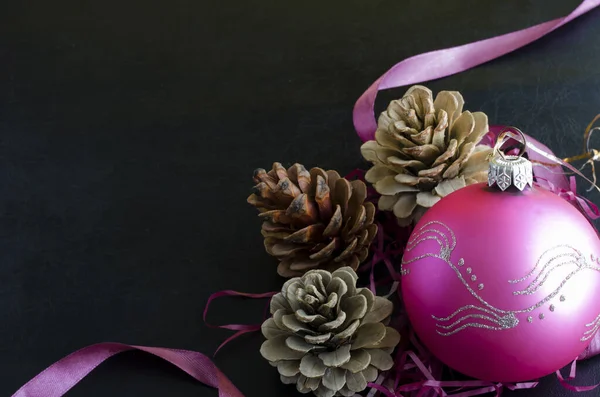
(506, 331)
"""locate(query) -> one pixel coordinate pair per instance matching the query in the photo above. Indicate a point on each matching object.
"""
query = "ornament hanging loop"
(507, 133)
(510, 170)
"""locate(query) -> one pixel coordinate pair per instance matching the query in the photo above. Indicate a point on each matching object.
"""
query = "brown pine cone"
(424, 149)
(313, 219)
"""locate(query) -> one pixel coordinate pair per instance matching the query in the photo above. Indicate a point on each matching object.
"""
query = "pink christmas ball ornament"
(503, 285)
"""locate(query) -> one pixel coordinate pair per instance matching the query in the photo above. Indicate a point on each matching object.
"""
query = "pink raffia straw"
(240, 328)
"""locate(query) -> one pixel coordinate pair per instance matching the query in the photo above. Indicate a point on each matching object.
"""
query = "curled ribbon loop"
(503, 137)
(590, 154)
(448, 61)
(60, 377)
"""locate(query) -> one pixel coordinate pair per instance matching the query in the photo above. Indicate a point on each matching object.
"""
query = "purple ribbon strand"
(60, 377)
(446, 62)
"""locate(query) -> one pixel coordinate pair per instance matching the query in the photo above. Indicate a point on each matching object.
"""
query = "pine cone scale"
(389, 186)
(432, 172)
(268, 226)
(451, 102)
(448, 154)
(347, 333)
(334, 379)
(405, 205)
(342, 194)
(277, 216)
(358, 195)
(335, 223)
(280, 235)
(363, 236)
(332, 178)
(280, 249)
(326, 251)
(394, 140)
(424, 153)
(348, 251)
(306, 235)
(299, 345)
(413, 165)
(479, 129)
(359, 361)
(288, 368)
(304, 264)
(370, 211)
(356, 381)
(323, 198)
(356, 222)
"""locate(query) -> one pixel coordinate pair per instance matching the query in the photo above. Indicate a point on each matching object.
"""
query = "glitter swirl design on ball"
(487, 316)
(563, 255)
(594, 326)
(494, 321)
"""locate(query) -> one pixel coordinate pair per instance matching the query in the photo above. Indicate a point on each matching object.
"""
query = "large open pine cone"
(424, 150)
(313, 219)
(327, 336)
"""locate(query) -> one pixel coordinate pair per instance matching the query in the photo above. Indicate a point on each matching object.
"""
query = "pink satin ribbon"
(446, 62)
(61, 376)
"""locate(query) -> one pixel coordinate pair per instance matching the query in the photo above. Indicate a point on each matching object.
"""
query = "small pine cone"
(313, 219)
(327, 336)
(424, 150)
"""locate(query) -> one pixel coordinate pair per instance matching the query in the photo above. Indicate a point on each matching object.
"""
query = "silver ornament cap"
(506, 171)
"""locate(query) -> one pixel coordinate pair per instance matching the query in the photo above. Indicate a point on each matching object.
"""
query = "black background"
(130, 130)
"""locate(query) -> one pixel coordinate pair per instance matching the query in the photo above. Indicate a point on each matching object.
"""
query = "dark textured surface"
(129, 132)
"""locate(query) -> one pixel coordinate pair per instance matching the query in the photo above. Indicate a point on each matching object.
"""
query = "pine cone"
(313, 219)
(425, 150)
(327, 336)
